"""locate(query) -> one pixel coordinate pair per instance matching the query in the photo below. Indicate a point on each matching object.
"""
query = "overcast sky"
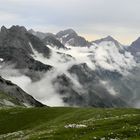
(90, 18)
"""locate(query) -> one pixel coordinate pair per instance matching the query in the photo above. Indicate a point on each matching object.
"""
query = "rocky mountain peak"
(31, 31)
(70, 37)
(108, 39)
(66, 33)
(16, 47)
(18, 29)
(4, 29)
(70, 31)
(12, 33)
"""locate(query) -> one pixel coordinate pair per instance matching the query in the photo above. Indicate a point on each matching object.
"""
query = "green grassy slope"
(54, 124)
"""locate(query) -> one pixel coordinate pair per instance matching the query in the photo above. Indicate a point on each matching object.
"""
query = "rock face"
(53, 41)
(94, 89)
(12, 95)
(62, 38)
(16, 48)
(70, 37)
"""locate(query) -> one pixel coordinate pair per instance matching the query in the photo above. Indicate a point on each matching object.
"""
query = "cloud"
(46, 90)
(42, 90)
(109, 88)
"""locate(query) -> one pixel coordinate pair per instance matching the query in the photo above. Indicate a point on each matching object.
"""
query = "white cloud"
(46, 91)
(42, 90)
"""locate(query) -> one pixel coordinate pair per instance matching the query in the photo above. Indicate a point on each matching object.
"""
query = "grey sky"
(90, 18)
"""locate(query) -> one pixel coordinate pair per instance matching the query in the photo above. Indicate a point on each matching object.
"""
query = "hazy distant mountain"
(107, 39)
(135, 47)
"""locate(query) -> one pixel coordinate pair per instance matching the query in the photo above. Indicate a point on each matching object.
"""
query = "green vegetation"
(69, 124)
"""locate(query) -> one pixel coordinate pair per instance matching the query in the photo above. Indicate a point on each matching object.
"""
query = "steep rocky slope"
(12, 95)
(16, 48)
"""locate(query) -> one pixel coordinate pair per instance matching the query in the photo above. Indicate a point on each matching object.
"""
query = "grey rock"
(15, 49)
(71, 38)
(96, 94)
(14, 95)
(52, 41)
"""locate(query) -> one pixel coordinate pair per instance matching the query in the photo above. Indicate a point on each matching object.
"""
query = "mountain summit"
(71, 38)
(16, 47)
(108, 39)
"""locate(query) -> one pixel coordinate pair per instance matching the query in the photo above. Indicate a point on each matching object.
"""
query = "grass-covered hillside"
(69, 124)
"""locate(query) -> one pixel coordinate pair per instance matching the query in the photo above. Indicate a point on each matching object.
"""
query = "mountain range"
(64, 69)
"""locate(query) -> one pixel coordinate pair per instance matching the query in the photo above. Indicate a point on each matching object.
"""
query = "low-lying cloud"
(43, 90)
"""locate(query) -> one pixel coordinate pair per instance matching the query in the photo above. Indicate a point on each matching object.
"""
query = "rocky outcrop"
(12, 95)
(53, 41)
